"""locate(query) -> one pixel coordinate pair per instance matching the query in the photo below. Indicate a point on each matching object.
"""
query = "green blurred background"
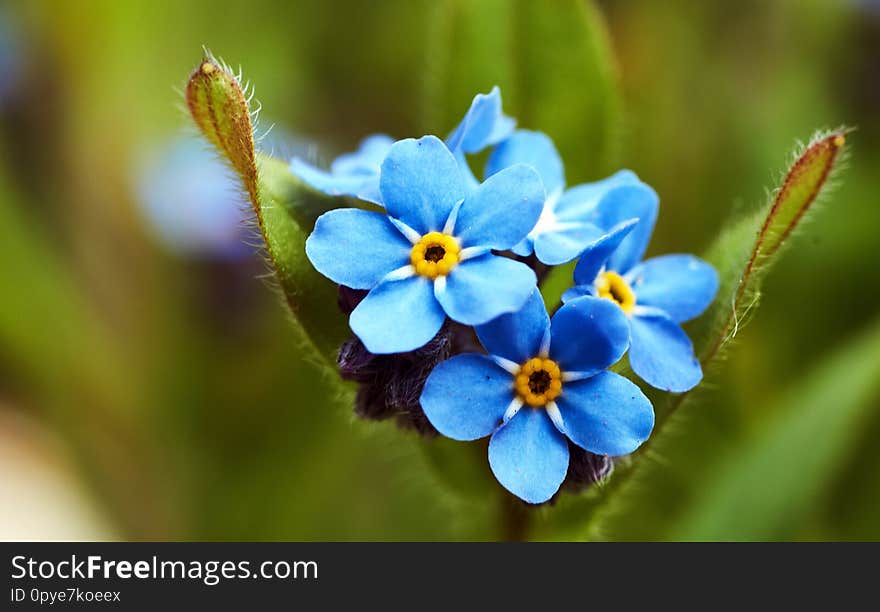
(152, 392)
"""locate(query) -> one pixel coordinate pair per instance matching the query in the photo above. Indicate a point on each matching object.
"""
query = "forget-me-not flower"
(357, 174)
(543, 381)
(430, 256)
(656, 295)
(570, 220)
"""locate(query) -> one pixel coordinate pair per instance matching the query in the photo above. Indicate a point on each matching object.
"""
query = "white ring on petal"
(547, 222)
(506, 364)
(400, 273)
(647, 311)
(555, 416)
(561, 226)
(409, 233)
(449, 228)
(471, 252)
(512, 409)
(575, 376)
(544, 351)
(439, 285)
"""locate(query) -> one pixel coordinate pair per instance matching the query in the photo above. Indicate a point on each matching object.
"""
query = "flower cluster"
(452, 333)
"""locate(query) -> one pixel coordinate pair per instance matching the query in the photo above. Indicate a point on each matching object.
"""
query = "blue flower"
(357, 174)
(656, 295)
(570, 220)
(542, 382)
(431, 255)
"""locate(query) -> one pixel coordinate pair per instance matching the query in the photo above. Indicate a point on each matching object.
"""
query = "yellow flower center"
(611, 286)
(435, 254)
(538, 382)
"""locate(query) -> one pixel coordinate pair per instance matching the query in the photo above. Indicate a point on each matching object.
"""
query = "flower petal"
(524, 247)
(578, 291)
(606, 414)
(356, 248)
(354, 174)
(562, 244)
(480, 289)
(662, 354)
(682, 286)
(517, 336)
(367, 160)
(529, 456)
(369, 191)
(588, 335)
(482, 126)
(421, 183)
(465, 397)
(532, 148)
(362, 186)
(398, 316)
(579, 202)
(501, 211)
(634, 201)
(596, 254)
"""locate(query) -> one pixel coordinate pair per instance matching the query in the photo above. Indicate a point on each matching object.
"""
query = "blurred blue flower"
(11, 57)
(354, 174)
(656, 295)
(871, 7)
(543, 381)
(193, 202)
(570, 220)
(430, 256)
(357, 174)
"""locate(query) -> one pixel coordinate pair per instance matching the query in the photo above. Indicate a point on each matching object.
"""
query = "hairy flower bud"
(219, 106)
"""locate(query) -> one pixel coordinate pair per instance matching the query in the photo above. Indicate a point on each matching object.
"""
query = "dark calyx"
(389, 386)
(585, 468)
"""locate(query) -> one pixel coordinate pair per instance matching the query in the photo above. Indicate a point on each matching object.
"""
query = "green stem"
(516, 519)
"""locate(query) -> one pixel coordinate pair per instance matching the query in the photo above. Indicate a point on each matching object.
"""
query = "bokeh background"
(150, 384)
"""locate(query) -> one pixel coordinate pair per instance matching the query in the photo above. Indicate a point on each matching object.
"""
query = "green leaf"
(766, 487)
(553, 62)
(285, 208)
(288, 209)
(742, 255)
